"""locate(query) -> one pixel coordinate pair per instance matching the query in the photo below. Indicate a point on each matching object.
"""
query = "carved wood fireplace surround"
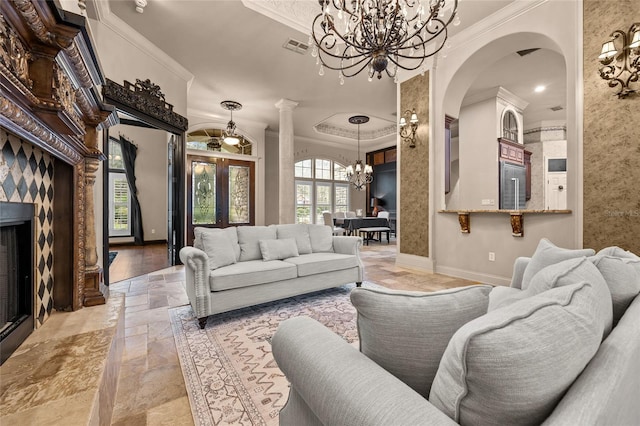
(51, 113)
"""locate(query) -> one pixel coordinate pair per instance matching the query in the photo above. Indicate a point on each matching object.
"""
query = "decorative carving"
(63, 91)
(517, 226)
(465, 222)
(79, 238)
(331, 129)
(145, 97)
(13, 55)
(42, 136)
(78, 65)
(33, 19)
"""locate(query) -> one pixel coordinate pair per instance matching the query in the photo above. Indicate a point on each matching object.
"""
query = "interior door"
(556, 184)
(221, 193)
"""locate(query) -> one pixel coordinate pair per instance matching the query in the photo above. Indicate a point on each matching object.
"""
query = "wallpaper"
(414, 171)
(611, 137)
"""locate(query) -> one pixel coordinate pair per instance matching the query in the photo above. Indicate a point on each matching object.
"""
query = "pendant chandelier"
(229, 135)
(379, 35)
(359, 175)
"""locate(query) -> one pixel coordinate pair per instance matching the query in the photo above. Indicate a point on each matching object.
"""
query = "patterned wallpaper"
(611, 137)
(29, 179)
(414, 171)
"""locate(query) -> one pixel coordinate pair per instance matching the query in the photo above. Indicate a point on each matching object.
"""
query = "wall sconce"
(622, 63)
(408, 134)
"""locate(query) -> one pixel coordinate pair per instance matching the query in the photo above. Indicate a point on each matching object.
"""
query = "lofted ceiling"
(237, 53)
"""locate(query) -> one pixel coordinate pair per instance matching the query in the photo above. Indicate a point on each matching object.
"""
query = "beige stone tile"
(134, 331)
(135, 346)
(176, 412)
(140, 299)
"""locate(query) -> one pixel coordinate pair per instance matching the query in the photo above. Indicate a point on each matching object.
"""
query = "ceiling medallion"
(350, 36)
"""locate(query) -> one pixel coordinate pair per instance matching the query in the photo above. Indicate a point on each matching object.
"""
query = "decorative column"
(286, 162)
(92, 271)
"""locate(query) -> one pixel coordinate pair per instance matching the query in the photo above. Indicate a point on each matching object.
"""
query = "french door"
(221, 193)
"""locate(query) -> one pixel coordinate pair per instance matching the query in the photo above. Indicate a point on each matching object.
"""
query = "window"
(510, 126)
(119, 196)
(321, 185)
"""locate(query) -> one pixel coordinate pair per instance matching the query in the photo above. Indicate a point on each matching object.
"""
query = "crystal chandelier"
(351, 35)
(229, 135)
(358, 174)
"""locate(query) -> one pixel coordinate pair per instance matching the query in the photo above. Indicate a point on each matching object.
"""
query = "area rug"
(228, 367)
(112, 255)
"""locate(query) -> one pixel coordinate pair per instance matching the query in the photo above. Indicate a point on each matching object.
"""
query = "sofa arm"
(347, 245)
(518, 271)
(196, 264)
(340, 385)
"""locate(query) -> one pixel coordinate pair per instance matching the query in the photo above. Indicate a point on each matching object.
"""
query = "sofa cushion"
(278, 249)
(406, 332)
(230, 232)
(622, 277)
(250, 272)
(503, 296)
(218, 248)
(318, 263)
(567, 272)
(300, 232)
(249, 239)
(321, 237)
(513, 365)
(547, 254)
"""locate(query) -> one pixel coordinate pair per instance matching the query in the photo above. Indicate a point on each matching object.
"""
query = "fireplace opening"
(16, 276)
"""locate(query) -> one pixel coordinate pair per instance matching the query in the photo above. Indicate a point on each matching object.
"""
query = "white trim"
(411, 261)
(473, 276)
(118, 26)
(579, 128)
(389, 141)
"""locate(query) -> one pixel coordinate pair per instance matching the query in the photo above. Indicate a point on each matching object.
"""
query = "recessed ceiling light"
(540, 88)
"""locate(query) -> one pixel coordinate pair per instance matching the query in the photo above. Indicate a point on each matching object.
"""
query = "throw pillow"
(569, 272)
(249, 240)
(623, 279)
(617, 252)
(321, 237)
(229, 232)
(300, 232)
(278, 249)
(513, 365)
(218, 248)
(503, 296)
(406, 333)
(547, 254)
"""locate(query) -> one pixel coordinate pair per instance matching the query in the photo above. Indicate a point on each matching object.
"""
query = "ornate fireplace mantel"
(48, 97)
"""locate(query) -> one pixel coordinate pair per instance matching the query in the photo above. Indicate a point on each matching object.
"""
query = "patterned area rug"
(229, 371)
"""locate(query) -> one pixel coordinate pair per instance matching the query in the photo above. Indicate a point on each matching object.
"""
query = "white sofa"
(236, 267)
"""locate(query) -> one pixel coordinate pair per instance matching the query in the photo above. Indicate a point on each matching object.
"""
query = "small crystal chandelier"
(349, 36)
(229, 135)
(358, 174)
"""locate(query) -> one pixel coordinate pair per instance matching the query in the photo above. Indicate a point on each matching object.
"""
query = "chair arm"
(196, 264)
(518, 271)
(342, 386)
(347, 245)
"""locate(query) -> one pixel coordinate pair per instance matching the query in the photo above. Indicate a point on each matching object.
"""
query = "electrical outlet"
(492, 256)
(486, 202)
(153, 231)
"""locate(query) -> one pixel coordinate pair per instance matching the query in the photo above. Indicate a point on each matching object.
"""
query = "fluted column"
(92, 271)
(286, 181)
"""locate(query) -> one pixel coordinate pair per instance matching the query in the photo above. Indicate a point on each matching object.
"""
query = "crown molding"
(117, 25)
(296, 14)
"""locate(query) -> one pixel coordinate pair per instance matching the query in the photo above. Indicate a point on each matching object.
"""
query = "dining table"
(352, 224)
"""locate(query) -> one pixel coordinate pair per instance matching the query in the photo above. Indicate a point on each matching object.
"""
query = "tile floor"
(151, 389)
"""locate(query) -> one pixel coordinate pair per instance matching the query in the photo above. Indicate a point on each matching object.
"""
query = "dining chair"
(351, 214)
(339, 218)
(328, 220)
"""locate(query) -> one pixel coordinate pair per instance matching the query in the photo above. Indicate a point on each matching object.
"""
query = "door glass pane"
(203, 206)
(239, 194)
(303, 202)
(323, 200)
(342, 198)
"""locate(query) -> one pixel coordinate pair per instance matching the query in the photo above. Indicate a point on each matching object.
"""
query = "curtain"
(129, 153)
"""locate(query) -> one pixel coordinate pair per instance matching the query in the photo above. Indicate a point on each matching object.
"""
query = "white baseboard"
(412, 261)
(473, 276)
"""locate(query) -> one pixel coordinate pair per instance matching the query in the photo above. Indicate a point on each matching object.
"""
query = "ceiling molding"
(296, 14)
(117, 25)
(215, 118)
(350, 133)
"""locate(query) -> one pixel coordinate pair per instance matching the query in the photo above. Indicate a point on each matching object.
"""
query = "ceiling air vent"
(527, 51)
(296, 46)
(556, 108)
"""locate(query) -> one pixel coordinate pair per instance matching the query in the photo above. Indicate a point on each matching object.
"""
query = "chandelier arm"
(348, 67)
(409, 68)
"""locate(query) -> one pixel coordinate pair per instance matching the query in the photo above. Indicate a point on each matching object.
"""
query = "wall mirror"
(505, 148)
(143, 186)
